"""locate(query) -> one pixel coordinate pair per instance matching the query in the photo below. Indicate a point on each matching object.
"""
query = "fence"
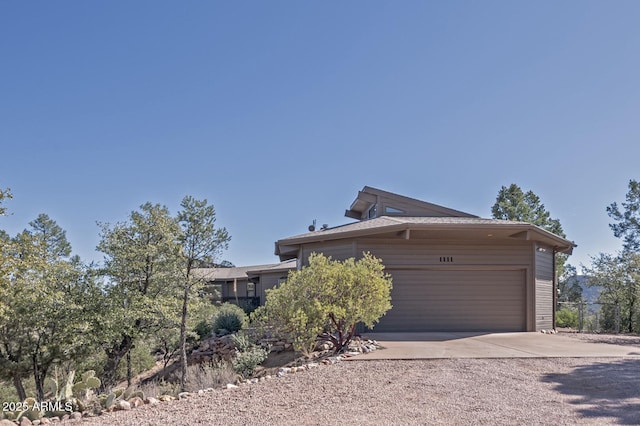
(591, 316)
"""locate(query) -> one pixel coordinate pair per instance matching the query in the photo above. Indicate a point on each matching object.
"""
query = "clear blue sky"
(279, 112)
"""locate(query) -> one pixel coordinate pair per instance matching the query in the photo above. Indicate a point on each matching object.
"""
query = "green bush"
(567, 317)
(231, 318)
(245, 363)
(205, 315)
(203, 329)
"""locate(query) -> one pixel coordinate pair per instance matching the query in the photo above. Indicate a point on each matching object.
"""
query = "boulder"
(151, 400)
(136, 402)
(123, 405)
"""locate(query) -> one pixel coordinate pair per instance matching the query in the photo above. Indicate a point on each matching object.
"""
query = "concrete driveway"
(489, 345)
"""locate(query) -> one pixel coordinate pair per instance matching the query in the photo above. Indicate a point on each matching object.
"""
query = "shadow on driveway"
(610, 389)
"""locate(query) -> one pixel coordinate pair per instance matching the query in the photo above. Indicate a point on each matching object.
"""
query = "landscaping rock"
(166, 398)
(136, 402)
(123, 405)
(151, 400)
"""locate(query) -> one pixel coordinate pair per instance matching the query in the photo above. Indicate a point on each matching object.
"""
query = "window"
(213, 292)
(373, 210)
(393, 210)
(251, 289)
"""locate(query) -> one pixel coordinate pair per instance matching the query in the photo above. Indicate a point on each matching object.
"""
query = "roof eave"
(288, 248)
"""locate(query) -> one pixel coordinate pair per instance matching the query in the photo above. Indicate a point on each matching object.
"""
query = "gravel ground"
(460, 392)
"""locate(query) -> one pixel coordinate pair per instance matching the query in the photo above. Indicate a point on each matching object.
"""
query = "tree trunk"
(114, 356)
(129, 369)
(38, 377)
(17, 383)
(183, 339)
(631, 312)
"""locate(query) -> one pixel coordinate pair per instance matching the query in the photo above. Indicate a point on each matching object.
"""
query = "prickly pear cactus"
(111, 399)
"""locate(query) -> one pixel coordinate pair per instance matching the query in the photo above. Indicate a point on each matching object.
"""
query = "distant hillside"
(590, 294)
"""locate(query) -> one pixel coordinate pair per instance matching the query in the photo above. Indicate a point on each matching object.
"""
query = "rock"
(25, 422)
(5, 422)
(184, 395)
(75, 416)
(284, 370)
(231, 386)
(312, 365)
(45, 421)
(166, 398)
(123, 405)
(136, 402)
(201, 392)
(151, 400)
(36, 422)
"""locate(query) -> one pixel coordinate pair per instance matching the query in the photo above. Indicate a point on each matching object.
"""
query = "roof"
(386, 224)
(242, 272)
(369, 197)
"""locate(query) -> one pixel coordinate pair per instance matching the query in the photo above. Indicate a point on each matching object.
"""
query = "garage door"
(456, 301)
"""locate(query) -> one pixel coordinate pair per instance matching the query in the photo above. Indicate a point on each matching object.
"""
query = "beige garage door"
(456, 301)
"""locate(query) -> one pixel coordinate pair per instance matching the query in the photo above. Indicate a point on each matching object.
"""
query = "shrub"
(157, 388)
(211, 375)
(245, 363)
(327, 298)
(567, 317)
(231, 318)
(206, 313)
(204, 328)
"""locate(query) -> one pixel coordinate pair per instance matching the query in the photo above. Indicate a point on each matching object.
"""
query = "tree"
(619, 277)
(326, 299)
(627, 218)
(568, 285)
(44, 323)
(201, 243)
(514, 204)
(52, 236)
(4, 194)
(141, 263)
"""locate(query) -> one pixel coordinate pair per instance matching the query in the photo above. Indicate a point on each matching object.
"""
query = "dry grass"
(210, 375)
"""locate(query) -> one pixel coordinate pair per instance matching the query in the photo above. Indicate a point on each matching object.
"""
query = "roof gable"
(372, 202)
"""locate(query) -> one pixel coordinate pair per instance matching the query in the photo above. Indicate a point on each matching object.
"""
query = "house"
(244, 286)
(452, 271)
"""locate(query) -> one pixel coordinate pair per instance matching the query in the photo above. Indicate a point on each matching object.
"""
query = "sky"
(278, 113)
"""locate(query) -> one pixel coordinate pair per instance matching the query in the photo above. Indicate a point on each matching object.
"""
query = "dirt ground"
(456, 392)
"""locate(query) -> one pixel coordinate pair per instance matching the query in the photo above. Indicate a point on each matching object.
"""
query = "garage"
(452, 271)
(456, 300)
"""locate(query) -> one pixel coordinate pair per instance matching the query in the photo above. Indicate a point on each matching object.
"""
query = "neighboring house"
(452, 271)
(244, 286)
